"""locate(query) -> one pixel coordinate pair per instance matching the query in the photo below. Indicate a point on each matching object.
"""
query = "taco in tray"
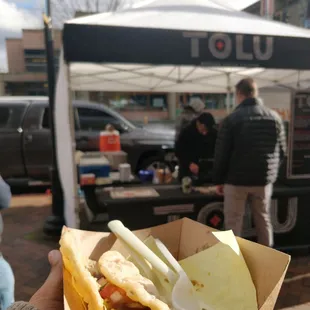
(111, 283)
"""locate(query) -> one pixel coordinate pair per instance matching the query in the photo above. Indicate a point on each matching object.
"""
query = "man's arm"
(183, 147)
(223, 149)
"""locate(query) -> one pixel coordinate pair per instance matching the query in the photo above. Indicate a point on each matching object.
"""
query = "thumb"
(52, 289)
(55, 260)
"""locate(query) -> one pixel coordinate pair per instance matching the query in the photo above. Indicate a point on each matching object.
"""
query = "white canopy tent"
(196, 19)
(171, 46)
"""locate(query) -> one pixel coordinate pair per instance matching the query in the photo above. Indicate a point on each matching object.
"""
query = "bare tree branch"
(63, 10)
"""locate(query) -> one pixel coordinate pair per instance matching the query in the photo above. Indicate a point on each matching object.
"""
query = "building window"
(137, 102)
(46, 119)
(27, 88)
(35, 68)
(158, 102)
(35, 60)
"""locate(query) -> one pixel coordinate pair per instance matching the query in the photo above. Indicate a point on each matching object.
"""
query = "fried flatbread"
(114, 269)
(76, 264)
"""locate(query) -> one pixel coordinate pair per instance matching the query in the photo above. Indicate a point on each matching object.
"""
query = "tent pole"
(234, 100)
(172, 103)
(75, 177)
(298, 79)
(53, 223)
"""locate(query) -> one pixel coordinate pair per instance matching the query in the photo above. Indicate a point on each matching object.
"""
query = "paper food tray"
(185, 238)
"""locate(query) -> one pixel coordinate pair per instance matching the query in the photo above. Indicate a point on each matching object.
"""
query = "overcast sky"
(18, 14)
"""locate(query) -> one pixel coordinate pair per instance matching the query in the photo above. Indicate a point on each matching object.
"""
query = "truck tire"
(212, 215)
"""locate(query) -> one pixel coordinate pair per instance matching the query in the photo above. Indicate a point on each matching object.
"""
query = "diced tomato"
(114, 294)
(118, 299)
(108, 290)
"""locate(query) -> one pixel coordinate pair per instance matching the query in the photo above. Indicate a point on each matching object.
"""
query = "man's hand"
(220, 190)
(194, 168)
(50, 294)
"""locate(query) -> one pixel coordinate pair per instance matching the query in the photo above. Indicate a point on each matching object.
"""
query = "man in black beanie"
(196, 142)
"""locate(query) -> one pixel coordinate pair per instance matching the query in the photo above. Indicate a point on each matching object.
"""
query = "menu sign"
(299, 140)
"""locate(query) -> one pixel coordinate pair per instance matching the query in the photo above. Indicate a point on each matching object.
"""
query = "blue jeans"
(7, 283)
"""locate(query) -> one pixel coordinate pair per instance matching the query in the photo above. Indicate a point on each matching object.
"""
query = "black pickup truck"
(25, 154)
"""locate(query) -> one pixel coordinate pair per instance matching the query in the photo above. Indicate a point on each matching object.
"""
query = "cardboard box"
(184, 238)
(116, 158)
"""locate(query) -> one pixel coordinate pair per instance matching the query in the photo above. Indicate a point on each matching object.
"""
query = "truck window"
(11, 115)
(5, 114)
(94, 120)
(46, 120)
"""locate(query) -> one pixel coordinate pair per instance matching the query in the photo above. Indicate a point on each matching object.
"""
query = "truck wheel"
(212, 215)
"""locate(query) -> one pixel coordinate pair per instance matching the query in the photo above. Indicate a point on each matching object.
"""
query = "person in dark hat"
(196, 143)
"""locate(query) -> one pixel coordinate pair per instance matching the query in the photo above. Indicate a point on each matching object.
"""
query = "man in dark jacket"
(195, 143)
(250, 147)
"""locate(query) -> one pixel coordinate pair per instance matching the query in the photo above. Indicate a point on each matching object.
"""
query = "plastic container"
(187, 185)
(87, 179)
(97, 165)
(124, 172)
(109, 141)
(116, 158)
(146, 176)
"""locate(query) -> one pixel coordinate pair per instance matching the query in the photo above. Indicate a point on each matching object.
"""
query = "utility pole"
(53, 223)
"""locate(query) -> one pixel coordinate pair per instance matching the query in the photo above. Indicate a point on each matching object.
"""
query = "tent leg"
(54, 223)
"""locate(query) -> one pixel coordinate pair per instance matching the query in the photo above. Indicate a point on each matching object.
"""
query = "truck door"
(37, 142)
(11, 159)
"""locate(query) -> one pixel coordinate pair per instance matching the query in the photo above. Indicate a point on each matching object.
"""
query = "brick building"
(27, 63)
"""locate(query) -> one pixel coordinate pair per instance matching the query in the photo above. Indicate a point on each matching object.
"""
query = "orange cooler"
(109, 141)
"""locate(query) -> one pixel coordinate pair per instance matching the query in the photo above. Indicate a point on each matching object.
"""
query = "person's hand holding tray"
(104, 273)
